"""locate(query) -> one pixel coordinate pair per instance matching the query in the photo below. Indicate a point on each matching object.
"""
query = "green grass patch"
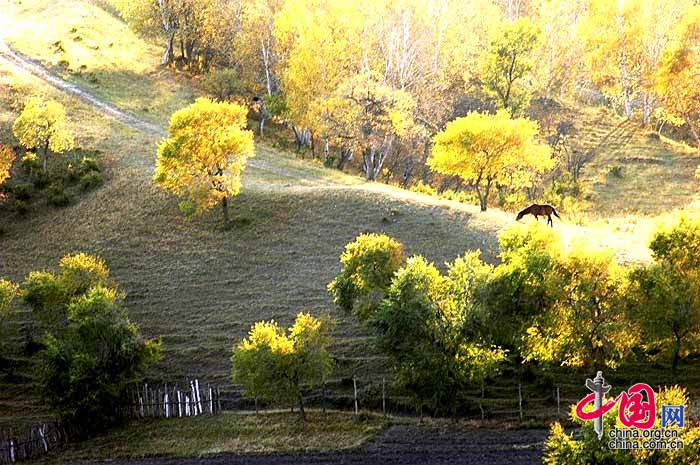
(227, 433)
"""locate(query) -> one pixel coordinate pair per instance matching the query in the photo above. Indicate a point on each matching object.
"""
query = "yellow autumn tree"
(42, 126)
(625, 42)
(490, 150)
(204, 156)
(677, 77)
(7, 157)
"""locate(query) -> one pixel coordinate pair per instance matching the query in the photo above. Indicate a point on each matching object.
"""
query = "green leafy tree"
(42, 126)
(204, 156)
(666, 294)
(8, 293)
(490, 150)
(86, 367)
(367, 266)
(507, 63)
(421, 327)
(517, 291)
(276, 365)
(49, 295)
(585, 325)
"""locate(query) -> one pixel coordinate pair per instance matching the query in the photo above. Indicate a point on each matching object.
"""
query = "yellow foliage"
(42, 125)
(204, 156)
(7, 157)
(488, 150)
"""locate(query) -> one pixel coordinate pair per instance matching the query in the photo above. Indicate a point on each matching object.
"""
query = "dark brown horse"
(539, 210)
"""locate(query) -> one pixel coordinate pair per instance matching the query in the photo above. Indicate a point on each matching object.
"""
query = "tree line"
(372, 83)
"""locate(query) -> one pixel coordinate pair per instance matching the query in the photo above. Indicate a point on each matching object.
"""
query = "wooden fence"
(32, 443)
(172, 401)
(145, 402)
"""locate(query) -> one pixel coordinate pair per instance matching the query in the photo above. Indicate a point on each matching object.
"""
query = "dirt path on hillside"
(38, 70)
(26, 64)
(404, 445)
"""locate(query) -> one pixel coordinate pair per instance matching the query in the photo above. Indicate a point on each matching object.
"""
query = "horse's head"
(520, 215)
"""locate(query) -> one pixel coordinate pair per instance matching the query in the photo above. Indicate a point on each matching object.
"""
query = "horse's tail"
(555, 213)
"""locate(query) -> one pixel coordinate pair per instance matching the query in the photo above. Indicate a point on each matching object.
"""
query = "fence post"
(558, 404)
(354, 387)
(165, 402)
(520, 400)
(199, 396)
(323, 397)
(383, 396)
(481, 401)
(211, 400)
(218, 399)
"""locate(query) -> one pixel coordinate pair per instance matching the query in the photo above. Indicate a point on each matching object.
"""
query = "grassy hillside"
(633, 170)
(200, 287)
(86, 44)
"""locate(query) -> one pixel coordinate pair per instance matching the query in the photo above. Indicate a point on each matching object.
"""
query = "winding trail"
(26, 64)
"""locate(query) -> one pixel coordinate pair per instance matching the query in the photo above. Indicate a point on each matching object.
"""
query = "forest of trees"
(372, 83)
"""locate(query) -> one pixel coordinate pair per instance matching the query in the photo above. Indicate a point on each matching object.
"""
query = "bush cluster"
(89, 350)
(544, 303)
(65, 177)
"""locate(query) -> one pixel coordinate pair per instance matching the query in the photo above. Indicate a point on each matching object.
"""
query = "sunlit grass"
(88, 45)
(228, 433)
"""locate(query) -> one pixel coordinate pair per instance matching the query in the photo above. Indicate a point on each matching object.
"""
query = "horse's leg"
(549, 221)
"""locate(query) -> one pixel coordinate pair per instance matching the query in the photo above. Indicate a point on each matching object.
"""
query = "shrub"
(80, 272)
(43, 293)
(562, 188)
(30, 163)
(22, 191)
(423, 188)
(617, 172)
(86, 367)
(49, 295)
(90, 180)
(88, 165)
(468, 197)
(57, 196)
(8, 292)
(21, 207)
(41, 179)
(7, 159)
(274, 365)
(72, 173)
(367, 266)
